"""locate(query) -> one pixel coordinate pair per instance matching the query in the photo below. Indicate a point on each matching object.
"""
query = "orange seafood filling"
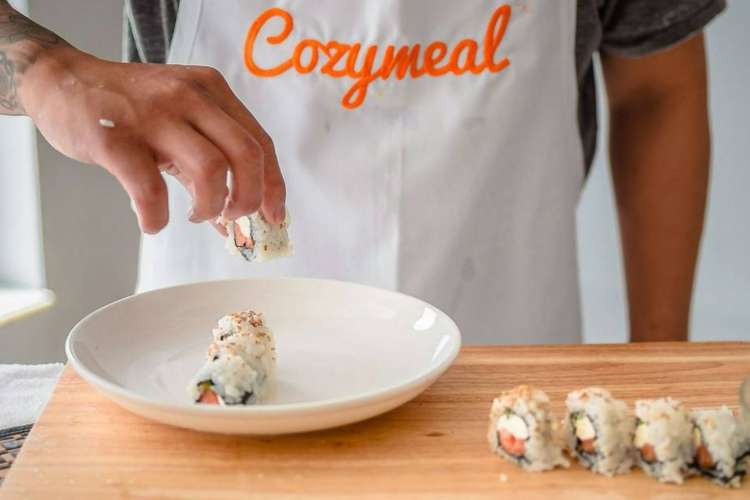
(588, 445)
(511, 443)
(648, 453)
(240, 239)
(208, 397)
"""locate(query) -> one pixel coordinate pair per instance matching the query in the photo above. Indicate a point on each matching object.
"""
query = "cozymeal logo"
(351, 60)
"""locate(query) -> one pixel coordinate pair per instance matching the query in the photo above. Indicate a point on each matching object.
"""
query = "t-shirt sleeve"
(640, 27)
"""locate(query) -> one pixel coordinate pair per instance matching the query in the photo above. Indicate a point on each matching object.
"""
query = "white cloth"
(24, 390)
(458, 188)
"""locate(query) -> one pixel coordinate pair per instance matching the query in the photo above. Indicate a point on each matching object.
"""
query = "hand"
(137, 120)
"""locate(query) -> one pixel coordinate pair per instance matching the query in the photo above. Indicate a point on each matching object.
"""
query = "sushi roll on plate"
(721, 447)
(664, 439)
(256, 239)
(241, 362)
(225, 379)
(599, 431)
(246, 335)
(522, 430)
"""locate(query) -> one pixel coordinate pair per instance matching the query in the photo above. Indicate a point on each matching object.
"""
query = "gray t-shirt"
(624, 27)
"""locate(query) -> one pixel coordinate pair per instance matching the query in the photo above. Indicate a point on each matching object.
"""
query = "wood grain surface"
(85, 447)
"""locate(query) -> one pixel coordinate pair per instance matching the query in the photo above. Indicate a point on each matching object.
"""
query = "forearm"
(659, 153)
(22, 43)
(137, 120)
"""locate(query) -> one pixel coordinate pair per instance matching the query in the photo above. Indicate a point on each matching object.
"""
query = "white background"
(91, 241)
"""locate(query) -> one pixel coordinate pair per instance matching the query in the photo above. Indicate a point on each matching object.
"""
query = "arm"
(136, 120)
(659, 154)
(21, 43)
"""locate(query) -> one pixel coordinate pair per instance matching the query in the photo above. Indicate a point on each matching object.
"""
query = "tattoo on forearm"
(8, 99)
(15, 27)
(15, 30)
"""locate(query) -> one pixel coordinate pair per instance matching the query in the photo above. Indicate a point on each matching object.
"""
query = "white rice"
(244, 334)
(239, 323)
(541, 451)
(665, 425)
(269, 241)
(724, 437)
(608, 423)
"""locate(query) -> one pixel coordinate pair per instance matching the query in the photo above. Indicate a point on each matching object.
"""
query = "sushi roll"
(743, 426)
(241, 362)
(600, 431)
(225, 379)
(245, 335)
(721, 448)
(522, 430)
(664, 439)
(256, 239)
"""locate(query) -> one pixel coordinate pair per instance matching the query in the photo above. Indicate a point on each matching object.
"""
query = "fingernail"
(280, 214)
(192, 217)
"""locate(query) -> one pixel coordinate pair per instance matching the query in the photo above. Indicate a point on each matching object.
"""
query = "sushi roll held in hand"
(521, 430)
(257, 240)
(600, 431)
(721, 447)
(664, 439)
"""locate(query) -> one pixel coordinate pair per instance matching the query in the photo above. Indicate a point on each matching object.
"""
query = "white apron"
(429, 146)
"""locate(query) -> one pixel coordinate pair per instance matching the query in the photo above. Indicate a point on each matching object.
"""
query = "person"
(430, 146)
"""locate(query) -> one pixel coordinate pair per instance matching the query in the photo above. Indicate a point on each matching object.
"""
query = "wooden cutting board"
(434, 447)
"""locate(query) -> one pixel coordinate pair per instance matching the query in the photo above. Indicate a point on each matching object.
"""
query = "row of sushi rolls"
(241, 359)
(662, 437)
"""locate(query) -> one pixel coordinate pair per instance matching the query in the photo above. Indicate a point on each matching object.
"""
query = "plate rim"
(262, 410)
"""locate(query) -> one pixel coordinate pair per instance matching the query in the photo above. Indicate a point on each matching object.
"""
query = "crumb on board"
(106, 123)
(503, 478)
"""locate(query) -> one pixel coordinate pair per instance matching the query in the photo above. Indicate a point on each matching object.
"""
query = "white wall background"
(91, 240)
(721, 304)
(20, 259)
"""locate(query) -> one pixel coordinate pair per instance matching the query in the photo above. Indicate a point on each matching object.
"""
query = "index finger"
(274, 189)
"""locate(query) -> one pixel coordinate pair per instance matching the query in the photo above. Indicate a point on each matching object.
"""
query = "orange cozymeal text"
(351, 60)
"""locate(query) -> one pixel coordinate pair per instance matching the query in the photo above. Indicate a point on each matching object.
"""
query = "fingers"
(201, 166)
(171, 169)
(135, 168)
(220, 228)
(244, 153)
(274, 190)
(274, 194)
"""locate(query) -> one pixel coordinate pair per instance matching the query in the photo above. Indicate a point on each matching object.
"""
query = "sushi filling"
(207, 394)
(585, 434)
(512, 434)
(244, 239)
(645, 450)
(703, 458)
(705, 463)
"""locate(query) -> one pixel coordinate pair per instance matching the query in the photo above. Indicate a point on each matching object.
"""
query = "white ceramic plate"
(345, 352)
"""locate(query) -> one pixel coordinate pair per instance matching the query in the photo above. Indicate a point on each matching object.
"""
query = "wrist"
(47, 69)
